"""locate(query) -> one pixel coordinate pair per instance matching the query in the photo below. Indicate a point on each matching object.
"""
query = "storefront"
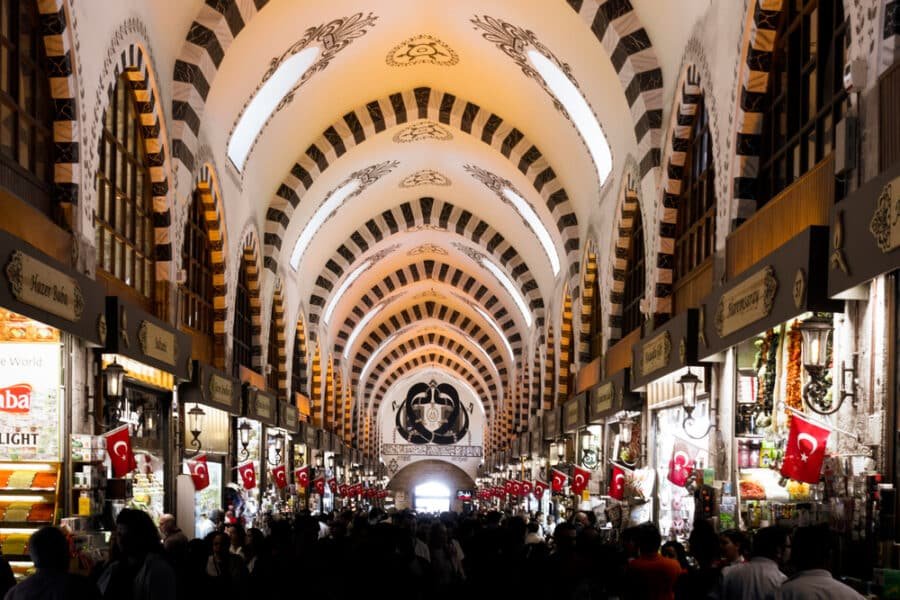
(665, 360)
(299, 458)
(155, 357)
(761, 325)
(46, 311)
(537, 467)
(574, 423)
(552, 431)
(208, 406)
(862, 270)
(260, 412)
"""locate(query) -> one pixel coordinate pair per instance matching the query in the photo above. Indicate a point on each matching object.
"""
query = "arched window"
(696, 228)
(596, 321)
(272, 354)
(26, 108)
(196, 293)
(806, 93)
(124, 215)
(298, 369)
(243, 324)
(634, 276)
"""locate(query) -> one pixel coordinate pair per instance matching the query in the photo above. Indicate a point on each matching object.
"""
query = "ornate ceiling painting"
(423, 209)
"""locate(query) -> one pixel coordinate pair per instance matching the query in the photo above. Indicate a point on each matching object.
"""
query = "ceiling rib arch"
(421, 213)
(368, 120)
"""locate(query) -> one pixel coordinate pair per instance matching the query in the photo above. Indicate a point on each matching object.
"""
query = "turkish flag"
(247, 471)
(580, 479)
(499, 492)
(332, 483)
(805, 450)
(382, 493)
(343, 490)
(302, 476)
(319, 484)
(682, 463)
(539, 488)
(199, 472)
(279, 474)
(559, 480)
(516, 488)
(617, 483)
(526, 488)
(508, 486)
(118, 447)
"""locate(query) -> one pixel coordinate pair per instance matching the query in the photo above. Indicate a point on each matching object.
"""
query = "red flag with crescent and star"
(805, 450)
(539, 488)
(279, 474)
(580, 479)
(617, 482)
(508, 486)
(681, 465)
(526, 488)
(118, 447)
(247, 471)
(199, 472)
(319, 485)
(332, 484)
(516, 488)
(559, 481)
(344, 489)
(302, 476)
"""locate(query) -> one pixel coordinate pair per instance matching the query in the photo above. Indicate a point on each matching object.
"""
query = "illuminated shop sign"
(29, 401)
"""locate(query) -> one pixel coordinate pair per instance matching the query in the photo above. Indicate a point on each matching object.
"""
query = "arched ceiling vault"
(420, 162)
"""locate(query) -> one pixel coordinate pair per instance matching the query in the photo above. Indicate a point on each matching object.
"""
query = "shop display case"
(29, 499)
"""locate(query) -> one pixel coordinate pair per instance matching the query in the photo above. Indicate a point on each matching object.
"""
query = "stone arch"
(301, 357)
(328, 417)
(423, 212)
(590, 302)
(566, 343)
(628, 206)
(406, 476)
(550, 370)
(316, 387)
(280, 338)
(249, 261)
(366, 121)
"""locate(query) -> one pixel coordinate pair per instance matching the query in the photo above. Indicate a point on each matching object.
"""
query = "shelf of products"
(29, 499)
(88, 474)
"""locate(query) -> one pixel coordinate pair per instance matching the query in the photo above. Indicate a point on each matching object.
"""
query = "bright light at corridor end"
(579, 110)
(264, 103)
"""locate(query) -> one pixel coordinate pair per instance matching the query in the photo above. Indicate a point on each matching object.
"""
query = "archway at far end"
(436, 472)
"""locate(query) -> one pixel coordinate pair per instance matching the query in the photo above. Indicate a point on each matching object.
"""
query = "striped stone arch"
(425, 359)
(250, 263)
(421, 212)
(618, 28)
(438, 271)
(566, 341)
(301, 357)
(134, 63)
(589, 302)
(432, 340)
(206, 186)
(549, 370)
(754, 85)
(315, 386)
(368, 120)
(60, 51)
(420, 316)
(211, 34)
(629, 205)
(347, 422)
(536, 390)
(280, 334)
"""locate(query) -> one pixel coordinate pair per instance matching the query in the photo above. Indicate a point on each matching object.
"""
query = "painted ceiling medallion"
(423, 130)
(426, 227)
(366, 177)
(421, 49)
(427, 249)
(425, 177)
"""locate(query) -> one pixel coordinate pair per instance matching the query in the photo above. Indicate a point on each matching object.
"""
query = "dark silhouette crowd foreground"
(417, 557)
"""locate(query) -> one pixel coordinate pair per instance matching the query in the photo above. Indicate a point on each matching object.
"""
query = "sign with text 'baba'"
(37, 284)
(29, 401)
(746, 303)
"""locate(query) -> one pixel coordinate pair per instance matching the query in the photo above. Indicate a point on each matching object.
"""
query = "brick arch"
(367, 121)
(280, 337)
(566, 340)
(432, 270)
(589, 303)
(60, 49)
(550, 371)
(628, 206)
(424, 211)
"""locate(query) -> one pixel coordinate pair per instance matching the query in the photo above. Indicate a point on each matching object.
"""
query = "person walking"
(811, 551)
(762, 575)
(49, 550)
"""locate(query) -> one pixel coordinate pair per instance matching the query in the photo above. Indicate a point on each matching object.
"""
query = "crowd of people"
(448, 556)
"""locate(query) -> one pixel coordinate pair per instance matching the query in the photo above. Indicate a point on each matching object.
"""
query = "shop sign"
(265, 406)
(221, 391)
(885, 224)
(655, 353)
(157, 342)
(746, 303)
(603, 398)
(29, 401)
(41, 286)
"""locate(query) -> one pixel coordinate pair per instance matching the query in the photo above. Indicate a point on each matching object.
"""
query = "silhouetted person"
(810, 553)
(142, 572)
(50, 552)
(651, 576)
(7, 578)
(702, 581)
(225, 570)
(761, 576)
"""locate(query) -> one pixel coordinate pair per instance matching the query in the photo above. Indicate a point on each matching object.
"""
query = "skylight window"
(360, 327)
(508, 284)
(324, 212)
(496, 328)
(578, 108)
(524, 209)
(264, 103)
(336, 296)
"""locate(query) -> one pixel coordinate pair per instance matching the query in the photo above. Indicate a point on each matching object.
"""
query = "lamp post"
(114, 379)
(195, 425)
(815, 333)
(689, 384)
(244, 438)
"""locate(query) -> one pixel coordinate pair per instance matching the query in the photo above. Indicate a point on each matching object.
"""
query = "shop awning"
(612, 395)
(260, 406)
(788, 282)
(138, 335)
(212, 387)
(287, 417)
(40, 288)
(865, 233)
(669, 347)
(552, 423)
(575, 413)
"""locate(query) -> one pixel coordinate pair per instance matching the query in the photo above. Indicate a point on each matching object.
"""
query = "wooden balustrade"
(889, 117)
(693, 287)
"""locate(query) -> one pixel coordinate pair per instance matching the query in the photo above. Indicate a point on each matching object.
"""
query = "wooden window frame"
(196, 293)
(635, 276)
(242, 332)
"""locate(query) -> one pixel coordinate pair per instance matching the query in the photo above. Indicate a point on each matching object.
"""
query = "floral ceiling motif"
(423, 49)
(423, 130)
(425, 177)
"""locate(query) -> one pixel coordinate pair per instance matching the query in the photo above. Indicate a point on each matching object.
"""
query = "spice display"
(793, 389)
